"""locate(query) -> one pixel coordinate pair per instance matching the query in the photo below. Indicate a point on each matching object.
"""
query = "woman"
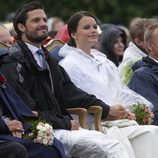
(91, 71)
(13, 125)
(113, 43)
(84, 64)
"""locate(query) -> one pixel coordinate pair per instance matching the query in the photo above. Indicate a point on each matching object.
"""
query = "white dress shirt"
(37, 57)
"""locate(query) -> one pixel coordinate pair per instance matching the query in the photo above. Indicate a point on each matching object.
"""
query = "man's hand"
(117, 112)
(131, 116)
(15, 127)
(74, 125)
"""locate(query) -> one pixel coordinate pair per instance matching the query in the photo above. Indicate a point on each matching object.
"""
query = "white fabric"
(144, 140)
(131, 55)
(85, 143)
(119, 123)
(99, 76)
(37, 57)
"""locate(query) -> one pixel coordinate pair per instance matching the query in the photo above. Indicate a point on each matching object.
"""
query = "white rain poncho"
(97, 75)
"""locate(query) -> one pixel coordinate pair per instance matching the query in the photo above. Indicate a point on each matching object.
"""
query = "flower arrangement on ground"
(41, 132)
(142, 113)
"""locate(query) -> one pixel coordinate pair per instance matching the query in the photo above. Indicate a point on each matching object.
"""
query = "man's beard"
(34, 38)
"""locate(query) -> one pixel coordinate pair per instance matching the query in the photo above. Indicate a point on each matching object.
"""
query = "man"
(145, 79)
(10, 149)
(14, 116)
(46, 88)
(136, 49)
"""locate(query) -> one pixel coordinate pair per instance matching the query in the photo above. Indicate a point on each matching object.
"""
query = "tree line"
(108, 11)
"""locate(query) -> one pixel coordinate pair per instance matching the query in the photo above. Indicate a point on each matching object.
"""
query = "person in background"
(113, 42)
(136, 48)
(54, 25)
(5, 36)
(63, 34)
(47, 89)
(145, 78)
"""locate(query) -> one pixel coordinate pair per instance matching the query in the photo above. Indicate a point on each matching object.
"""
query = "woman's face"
(87, 33)
(119, 46)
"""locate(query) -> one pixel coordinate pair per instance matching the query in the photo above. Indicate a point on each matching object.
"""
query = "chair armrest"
(97, 112)
(81, 112)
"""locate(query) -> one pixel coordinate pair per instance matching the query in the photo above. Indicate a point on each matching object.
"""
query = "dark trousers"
(12, 150)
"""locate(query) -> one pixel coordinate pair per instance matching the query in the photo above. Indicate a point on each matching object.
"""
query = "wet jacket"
(50, 96)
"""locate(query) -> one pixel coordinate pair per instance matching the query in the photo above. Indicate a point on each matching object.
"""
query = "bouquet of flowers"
(2, 81)
(41, 132)
(142, 113)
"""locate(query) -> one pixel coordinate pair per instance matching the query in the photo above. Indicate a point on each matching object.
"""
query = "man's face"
(35, 30)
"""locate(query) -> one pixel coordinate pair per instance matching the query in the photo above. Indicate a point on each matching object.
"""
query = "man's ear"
(21, 27)
(149, 47)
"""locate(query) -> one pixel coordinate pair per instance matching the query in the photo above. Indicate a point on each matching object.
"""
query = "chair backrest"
(3, 49)
(53, 47)
(2, 45)
(52, 43)
(54, 53)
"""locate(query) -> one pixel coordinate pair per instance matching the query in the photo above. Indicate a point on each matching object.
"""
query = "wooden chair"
(52, 43)
(3, 49)
(2, 45)
(83, 113)
(97, 112)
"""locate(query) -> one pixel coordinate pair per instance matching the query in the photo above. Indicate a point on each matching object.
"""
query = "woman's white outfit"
(97, 75)
(85, 143)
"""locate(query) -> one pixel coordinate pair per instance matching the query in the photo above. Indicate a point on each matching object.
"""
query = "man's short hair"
(21, 15)
(149, 33)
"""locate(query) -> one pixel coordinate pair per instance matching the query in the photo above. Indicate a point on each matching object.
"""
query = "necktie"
(42, 58)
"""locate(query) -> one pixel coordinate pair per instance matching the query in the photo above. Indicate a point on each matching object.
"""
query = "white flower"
(40, 133)
(45, 141)
(38, 127)
(46, 125)
(44, 134)
(43, 129)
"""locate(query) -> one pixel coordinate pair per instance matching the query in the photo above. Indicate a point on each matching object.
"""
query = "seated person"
(91, 71)
(136, 49)
(113, 42)
(13, 125)
(144, 80)
(90, 66)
